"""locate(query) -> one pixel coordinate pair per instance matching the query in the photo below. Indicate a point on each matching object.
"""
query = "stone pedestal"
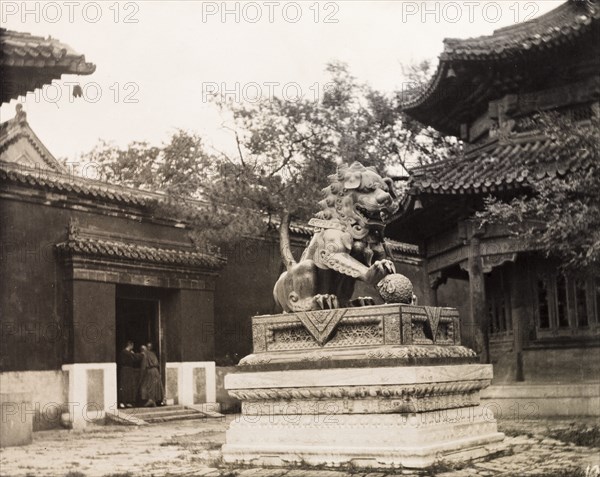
(16, 413)
(92, 392)
(192, 382)
(376, 386)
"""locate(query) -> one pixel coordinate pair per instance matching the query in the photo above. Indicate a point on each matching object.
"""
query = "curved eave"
(430, 97)
(52, 68)
(464, 59)
(29, 62)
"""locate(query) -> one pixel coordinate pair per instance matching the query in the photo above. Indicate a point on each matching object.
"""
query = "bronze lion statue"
(347, 244)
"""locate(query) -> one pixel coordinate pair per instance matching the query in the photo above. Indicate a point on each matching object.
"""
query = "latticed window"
(597, 293)
(562, 311)
(581, 306)
(543, 303)
(571, 304)
(498, 302)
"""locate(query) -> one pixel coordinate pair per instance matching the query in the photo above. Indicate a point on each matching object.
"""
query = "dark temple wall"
(244, 289)
(197, 329)
(47, 320)
(34, 327)
(93, 329)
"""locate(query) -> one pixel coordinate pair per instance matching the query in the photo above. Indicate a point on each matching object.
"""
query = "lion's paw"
(326, 302)
(378, 270)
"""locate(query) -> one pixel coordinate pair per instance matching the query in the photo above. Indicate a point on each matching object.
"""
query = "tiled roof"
(297, 228)
(568, 20)
(26, 50)
(81, 187)
(301, 229)
(497, 166)
(402, 247)
(14, 129)
(473, 71)
(48, 57)
(91, 189)
(140, 253)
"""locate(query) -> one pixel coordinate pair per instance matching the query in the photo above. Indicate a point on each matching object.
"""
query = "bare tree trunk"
(284, 241)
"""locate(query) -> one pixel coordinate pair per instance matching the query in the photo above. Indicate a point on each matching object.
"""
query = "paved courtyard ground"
(564, 448)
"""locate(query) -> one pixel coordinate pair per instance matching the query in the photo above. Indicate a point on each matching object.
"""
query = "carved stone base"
(376, 386)
(368, 440)
(374, 417)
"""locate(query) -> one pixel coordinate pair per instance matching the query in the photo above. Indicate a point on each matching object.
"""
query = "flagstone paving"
(562, 448)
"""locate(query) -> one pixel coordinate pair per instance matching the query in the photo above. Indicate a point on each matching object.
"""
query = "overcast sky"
(156, 59)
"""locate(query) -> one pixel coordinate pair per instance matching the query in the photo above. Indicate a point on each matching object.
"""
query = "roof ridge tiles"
(134, 251)
(511, 164)
(78, 185)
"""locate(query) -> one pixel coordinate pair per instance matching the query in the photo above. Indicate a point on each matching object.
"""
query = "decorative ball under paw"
(395, 288)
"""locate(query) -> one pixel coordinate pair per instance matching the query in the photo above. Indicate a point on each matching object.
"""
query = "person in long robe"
(151, 388)
(129, 362)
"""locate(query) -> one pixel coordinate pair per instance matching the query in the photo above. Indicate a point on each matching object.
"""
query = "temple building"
(85, 267)
(539, 327)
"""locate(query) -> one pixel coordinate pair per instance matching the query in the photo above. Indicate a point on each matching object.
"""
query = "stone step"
(149, 415)
(211, 410)
(154, 409)
(163, 413)
(138, 411)
(124, 419)
(180, 416)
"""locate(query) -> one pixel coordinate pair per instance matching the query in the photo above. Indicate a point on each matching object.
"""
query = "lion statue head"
(359, 198)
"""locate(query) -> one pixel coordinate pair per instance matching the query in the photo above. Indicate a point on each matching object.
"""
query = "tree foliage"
(560, 216)
(168, 168)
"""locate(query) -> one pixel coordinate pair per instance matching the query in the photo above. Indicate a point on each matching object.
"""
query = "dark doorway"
(137, 320)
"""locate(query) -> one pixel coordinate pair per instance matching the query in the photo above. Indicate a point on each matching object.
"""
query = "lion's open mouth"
(372, 216)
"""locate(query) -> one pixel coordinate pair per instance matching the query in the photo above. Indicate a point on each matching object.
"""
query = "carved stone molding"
(410, 352)
(321, 324)
(259, 337)
(422, 352)
(369, 405)
(357, 392)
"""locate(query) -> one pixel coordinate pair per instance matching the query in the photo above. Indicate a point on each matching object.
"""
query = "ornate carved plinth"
(377, 386)
(404, 332)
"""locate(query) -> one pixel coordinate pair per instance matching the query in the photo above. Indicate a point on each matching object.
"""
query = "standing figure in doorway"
(151, 388)
(128, 375)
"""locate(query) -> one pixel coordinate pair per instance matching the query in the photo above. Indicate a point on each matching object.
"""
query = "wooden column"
(521, 309)
(478, 326)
